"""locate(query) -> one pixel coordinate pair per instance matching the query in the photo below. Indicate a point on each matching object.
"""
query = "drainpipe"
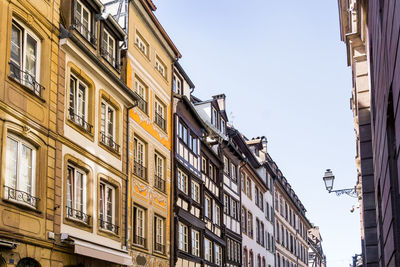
(127, 171)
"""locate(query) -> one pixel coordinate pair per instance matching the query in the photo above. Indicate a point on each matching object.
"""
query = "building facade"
(149, 68)
(28, 121)
(370, 31)
(316, 256)
(291, 226)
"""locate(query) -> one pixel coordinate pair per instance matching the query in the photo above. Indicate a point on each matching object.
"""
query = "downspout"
(127, 199)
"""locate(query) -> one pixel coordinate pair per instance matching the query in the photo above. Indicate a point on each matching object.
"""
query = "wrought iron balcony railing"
(159, 183)
(79, 120)
(78, 215)
(26, 79)
(109, 226)
(142, 104)
(159, 247)
(109, 57)
(109, 141)
(21, 196)
(139, 240)
(139, 170)
(160, 121)
(84, 31)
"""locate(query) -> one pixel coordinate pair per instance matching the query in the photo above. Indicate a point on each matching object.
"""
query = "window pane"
(70, 179)
(103, 118)
(110, 119)
(25, 183)
(12, 161)
(79, 191)
(30, 57)
(102, 197)
(81, 100)
(109, 205)
(16, 45)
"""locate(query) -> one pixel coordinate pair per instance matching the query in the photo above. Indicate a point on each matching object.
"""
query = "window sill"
(140, 247)
(80, 129)
(26, 88)
(78, 222)
(22, 205)
(108, 233)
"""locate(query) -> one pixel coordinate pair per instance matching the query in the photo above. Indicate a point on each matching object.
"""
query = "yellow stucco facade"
(148, 72)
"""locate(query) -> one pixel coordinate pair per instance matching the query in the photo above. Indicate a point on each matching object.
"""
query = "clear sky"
(283, 69)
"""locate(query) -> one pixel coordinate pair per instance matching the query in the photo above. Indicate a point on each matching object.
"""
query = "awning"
(99, 252)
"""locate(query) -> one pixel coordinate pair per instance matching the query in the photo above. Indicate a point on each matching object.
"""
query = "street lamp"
(329, 178)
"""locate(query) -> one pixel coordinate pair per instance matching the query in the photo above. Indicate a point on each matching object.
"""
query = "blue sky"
(283, 69)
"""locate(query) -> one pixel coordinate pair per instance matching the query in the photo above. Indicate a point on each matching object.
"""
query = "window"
(159, 181)
(248, 187)
(213, 172)
(204, 165)
(262, 234)
(218, 255)
(195, 243)
(217, 215)
(141, 44)
(226, 204)
(195, 191)
(139, 229)
(108, 48)
(226, 165)
(177, 85)
(78, 103)
(159, 234)
(139, 168)
(249, 224)
(251, 259)
(20, 171)
(83, 20)
(141, 90)
(25, 57)
(159, 114)
(160, 66)
(245, 260)
(261, 200)
(107, 127)
(243, 181)
(223, 126)
(214, 117)
(76, 194)
(258, 230)
(107, 207)
(182, 181)
(207, 207)
(183, 132)
(256, 198)
(183, 237)
(244, 213)
(193, 143)
(233, 172)
(234, 207)
(208, 250)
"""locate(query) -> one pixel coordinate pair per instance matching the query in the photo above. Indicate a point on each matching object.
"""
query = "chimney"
(221, 101)
(264, 143)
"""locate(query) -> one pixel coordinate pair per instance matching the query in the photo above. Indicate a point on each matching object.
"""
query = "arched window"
(28, 262)
(245, 258)
(251, 259)
(259, 260)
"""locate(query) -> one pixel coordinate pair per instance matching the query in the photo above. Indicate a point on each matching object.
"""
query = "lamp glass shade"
(328, 179)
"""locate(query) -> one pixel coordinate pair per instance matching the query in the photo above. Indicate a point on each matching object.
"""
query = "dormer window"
(214, 117)
(177, 85)
(108, 48)
(83, 22)
(223, 126)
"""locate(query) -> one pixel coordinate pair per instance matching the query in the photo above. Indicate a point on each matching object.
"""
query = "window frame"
(159, 234)
(160, 117)
(142, 44)
(142, 91)
(112, 59)
(195, 238)
(183, 187)
(139, 229)
(76, 213)
(195, 196)
(183, 239)
(104, 224)
(160, 67)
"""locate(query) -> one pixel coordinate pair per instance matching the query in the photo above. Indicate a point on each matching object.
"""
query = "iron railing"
(26, 79)
(159, 247)
(109, 141)
(109, 226)
(142, 104)
(78, 215)
(84, 31)
(21, 196)
(79, 120)
(159, 183)
(139, 170)
(109, 57)
(160, 121)
(139, 240)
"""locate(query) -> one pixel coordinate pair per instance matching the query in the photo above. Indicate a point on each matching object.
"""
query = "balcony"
(26, 79)
(139, 240)
(159, 183)
(139, 170)
(78, 215)
(109, 226)
(79, 120)
(84, 31)
(109, 57)
(21, 196)
(160, 121)
(142, 104)
(159, 247)
(109, 142)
